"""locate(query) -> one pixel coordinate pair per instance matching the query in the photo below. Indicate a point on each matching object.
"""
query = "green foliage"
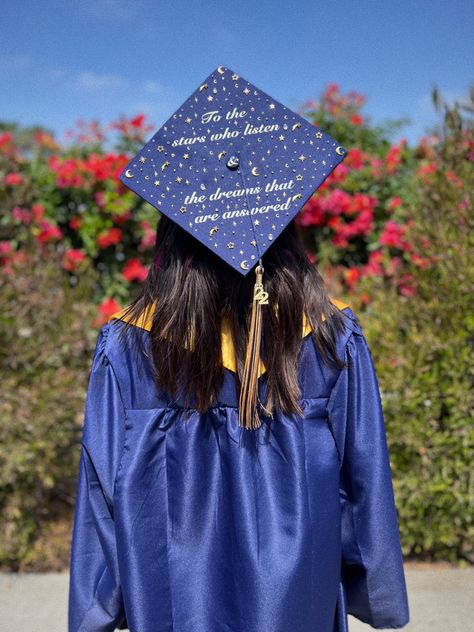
(423, 349)
(46, 342)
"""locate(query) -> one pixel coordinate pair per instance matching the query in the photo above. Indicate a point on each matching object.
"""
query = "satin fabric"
(199, 525)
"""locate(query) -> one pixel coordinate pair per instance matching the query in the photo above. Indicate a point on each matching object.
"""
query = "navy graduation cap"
(233, 166)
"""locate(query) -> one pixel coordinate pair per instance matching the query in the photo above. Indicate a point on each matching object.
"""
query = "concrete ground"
(441, 600)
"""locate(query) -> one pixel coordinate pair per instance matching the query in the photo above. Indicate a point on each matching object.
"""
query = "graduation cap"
(233, 166)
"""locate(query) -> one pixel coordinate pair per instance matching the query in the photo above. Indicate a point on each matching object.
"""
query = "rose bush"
(391, 230)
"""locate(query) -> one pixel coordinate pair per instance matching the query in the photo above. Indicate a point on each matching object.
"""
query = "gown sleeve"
(372, 573)
(95, 597)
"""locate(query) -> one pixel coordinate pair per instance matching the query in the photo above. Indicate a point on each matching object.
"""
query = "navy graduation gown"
(203, 526)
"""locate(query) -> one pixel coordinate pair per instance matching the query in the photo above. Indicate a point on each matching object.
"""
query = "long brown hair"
(189, 290)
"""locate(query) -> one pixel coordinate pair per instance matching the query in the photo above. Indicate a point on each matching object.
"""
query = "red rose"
(109, 237)
(73, 258)
(134, 270)
(13, 179)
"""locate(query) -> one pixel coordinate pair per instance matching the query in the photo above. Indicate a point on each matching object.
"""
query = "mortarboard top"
(233, 166)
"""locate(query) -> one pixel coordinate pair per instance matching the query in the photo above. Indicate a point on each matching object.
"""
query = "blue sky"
(61, 60)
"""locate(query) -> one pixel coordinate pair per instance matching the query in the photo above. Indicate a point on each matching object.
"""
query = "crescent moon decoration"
(213, 230)
(340, 150)
(244, 265)
(204, 86)
(128, 174)
(164, 165)
(295, 126)
(254, 171)
(221, 154)
(221, 70)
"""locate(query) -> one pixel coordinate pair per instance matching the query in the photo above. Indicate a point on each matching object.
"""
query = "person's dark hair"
(190, 290)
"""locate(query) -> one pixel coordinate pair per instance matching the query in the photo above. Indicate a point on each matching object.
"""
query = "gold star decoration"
(318, 135)
(210, 98)
(302, 157)
(235, 77)
(160, 148)
(272, 106)
(185, 156)
(156, 183)
(246, 90)
(257, 222)
(299, 177)
(231, 244)
(142, 159)
(183, 209)
(281, 137)
(253, 242)
(179, 179)
(188, 119)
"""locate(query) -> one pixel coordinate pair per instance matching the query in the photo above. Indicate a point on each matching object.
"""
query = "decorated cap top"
(233, 166)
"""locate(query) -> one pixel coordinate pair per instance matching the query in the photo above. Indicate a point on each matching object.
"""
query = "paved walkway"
(441, 600)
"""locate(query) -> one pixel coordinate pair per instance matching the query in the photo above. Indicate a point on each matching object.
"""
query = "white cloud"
(110, 9)
(96, 82)
(153, 87)
(15, 62)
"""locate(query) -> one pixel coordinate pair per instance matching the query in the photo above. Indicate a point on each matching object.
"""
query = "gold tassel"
(248, 413)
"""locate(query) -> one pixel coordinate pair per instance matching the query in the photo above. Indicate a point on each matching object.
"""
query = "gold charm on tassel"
(248, 413)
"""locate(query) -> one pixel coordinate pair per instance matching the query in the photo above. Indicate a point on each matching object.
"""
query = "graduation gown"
(204, 526)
